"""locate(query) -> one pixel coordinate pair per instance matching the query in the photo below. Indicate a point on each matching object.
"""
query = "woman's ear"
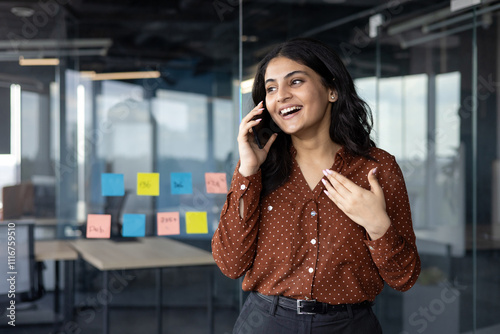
(333, 96)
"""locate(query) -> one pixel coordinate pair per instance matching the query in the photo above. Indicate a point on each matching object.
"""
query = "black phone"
(265, 129)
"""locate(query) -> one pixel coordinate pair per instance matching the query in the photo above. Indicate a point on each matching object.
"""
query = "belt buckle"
(299, 306)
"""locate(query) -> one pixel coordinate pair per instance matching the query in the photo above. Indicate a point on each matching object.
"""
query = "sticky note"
(134, 225)
(167, 223)
(196, 222)
(98, 226)
(181, 183)
(148, 184)
(216, 183)
(112, 184)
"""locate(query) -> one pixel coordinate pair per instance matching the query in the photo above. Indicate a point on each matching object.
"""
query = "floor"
(132, 307)
(132, 297)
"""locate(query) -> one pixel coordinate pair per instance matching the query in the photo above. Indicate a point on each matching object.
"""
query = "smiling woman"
(349, 122)
(314, 253)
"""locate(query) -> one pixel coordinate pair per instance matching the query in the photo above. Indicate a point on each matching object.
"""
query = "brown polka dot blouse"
(295, 242)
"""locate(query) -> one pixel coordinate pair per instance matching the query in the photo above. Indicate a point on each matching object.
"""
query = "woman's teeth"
(290, 110)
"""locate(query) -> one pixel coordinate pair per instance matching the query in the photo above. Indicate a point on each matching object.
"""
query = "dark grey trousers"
(259, 316)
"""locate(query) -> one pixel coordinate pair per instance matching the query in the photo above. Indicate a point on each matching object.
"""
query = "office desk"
(151, 252)
(59, 250)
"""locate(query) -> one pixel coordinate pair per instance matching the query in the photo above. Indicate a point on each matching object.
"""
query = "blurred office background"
(428, 69)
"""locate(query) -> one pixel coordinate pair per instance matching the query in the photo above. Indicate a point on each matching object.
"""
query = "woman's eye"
(270, 89)
(296, 81)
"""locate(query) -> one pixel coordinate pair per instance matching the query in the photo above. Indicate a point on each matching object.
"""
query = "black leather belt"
(312, 306)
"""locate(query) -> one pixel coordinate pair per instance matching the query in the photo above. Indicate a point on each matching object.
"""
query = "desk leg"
(159, 293)
(57, 307)
(105, 311)
(69, 288)
(210, 305)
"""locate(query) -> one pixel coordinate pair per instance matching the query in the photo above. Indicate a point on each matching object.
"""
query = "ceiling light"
(38, 61)
(121, 75)
(22, 11)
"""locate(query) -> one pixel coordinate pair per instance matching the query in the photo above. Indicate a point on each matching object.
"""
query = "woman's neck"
(315, 148)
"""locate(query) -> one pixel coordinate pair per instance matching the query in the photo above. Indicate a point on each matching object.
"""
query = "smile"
(290, 110)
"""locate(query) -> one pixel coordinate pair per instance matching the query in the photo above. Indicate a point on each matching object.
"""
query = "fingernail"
(260, 109)
(258, 119)
(329, 171)
(374, 171)
(326, 192)
(324, 182)
(325, 172)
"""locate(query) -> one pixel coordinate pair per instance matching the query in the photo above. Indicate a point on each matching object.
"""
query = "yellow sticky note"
(196, 222)
(148, 184)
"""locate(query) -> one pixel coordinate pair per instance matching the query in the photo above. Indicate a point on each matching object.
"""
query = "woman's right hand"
(251, 156)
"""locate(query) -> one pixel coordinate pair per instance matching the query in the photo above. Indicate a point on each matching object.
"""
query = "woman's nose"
(283, 94)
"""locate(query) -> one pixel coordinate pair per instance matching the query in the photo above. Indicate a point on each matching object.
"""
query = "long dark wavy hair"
(351, 119)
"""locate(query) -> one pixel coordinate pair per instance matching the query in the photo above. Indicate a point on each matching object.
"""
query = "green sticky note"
(196, 223)
(148, 184)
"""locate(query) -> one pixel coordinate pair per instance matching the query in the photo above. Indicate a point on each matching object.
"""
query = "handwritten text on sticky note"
(112, 184)
(148, 184)
(134, 225)
(181, 183)
(216, 183)
(168, 223)
(196, 222)
(98, 226)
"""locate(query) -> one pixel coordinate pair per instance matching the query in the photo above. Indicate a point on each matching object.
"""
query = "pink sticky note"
(98, 226)
(216, 183)
(168, 223)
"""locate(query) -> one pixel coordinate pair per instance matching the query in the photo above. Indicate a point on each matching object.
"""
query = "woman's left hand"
(364, 207)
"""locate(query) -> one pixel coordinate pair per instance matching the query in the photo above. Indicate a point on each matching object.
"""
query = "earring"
(333, 97)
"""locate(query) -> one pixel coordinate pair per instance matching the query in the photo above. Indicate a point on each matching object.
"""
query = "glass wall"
(429, 73)
(420, 94)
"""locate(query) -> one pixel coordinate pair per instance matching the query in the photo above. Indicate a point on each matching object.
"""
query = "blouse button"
(311, 270)
(313, 241)
(243, 187)
(270, 207)
(313, 213)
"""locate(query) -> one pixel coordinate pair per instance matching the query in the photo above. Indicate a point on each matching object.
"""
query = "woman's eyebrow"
(287, 76)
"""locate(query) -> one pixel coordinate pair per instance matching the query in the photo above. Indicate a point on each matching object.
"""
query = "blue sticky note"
(112, 184)
(181, 183)
(134, 225)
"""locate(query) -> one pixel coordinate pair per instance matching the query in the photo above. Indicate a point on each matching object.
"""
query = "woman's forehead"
(281, 66)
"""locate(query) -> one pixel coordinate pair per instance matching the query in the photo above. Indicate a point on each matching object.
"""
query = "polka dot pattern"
(296, 242)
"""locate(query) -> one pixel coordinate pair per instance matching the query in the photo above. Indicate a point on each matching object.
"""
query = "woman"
(318, 218)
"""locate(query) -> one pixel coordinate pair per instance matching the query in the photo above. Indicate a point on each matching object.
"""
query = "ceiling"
(195, 35)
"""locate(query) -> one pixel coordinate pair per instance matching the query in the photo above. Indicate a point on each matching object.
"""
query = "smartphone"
(265, 129)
